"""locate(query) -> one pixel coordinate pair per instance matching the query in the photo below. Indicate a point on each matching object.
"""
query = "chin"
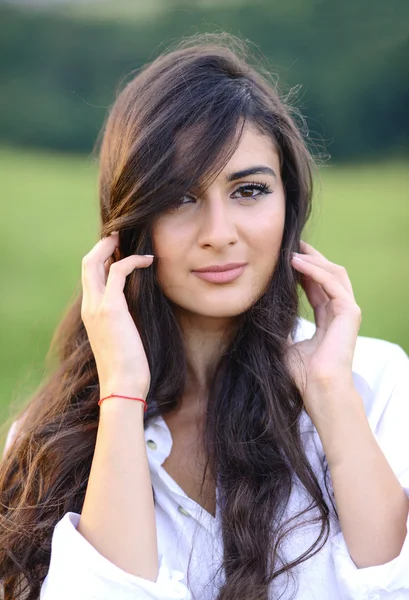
(220, 302)
(217, 313)
(222, 308)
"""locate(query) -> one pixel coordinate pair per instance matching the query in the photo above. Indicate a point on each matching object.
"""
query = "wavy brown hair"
(207, 87)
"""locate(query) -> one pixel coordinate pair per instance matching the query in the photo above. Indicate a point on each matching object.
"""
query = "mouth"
(221, 274)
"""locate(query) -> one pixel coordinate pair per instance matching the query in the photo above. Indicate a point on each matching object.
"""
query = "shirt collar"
(157, 434)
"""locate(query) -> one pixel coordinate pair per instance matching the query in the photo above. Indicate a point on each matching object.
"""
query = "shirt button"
(152, 445)
(183, 511)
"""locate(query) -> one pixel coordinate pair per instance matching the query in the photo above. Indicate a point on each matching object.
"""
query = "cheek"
(170, 249)
(266, 235)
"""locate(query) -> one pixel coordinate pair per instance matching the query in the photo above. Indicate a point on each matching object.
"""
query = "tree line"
(348, 62)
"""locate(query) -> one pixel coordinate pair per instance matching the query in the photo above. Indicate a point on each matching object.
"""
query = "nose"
(217, 228)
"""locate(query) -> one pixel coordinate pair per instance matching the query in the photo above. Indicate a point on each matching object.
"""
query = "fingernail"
(149, 255)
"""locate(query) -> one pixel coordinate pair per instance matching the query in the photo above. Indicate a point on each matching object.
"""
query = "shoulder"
(380, 371)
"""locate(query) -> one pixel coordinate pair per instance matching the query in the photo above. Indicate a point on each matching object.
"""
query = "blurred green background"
(343, 64)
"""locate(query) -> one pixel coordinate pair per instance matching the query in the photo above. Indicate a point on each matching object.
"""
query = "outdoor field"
(50, 220)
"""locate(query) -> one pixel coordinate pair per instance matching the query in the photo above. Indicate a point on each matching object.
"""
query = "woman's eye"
(184, 201)
(247, 191)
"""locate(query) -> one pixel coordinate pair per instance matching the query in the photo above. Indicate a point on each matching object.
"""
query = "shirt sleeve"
(77, 570)
(391, 580)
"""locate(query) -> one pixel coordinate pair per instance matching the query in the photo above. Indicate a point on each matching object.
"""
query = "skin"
(224, 224)
(215, 228)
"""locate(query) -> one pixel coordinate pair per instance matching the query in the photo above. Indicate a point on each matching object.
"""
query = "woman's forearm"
(372, 506)
(118, 516)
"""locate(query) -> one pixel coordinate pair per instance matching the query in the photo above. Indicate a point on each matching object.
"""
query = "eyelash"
(262, 187)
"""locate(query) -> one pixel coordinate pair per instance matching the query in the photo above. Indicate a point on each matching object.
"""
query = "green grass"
(50, 219)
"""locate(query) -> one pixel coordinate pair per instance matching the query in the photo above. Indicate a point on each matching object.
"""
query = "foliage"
(350, 60)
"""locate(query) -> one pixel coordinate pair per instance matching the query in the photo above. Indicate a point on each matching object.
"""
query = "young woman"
(199, 439)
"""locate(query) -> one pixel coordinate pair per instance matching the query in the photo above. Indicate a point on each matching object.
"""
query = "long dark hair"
(205, 87)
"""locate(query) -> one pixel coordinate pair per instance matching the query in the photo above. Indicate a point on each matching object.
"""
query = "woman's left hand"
(327, 357)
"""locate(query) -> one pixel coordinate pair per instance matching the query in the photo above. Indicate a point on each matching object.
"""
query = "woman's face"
(238, 219)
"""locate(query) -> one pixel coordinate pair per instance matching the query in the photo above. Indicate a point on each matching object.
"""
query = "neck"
(205, 339)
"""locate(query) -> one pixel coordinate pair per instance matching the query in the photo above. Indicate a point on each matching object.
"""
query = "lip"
(226, 267)
(221, 274)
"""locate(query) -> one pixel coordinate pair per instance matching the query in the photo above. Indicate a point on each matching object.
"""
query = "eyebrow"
(251, 171)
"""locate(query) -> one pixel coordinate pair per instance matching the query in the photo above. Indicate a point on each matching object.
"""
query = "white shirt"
(77, 570)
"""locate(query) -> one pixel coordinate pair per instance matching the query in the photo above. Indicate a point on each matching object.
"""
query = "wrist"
(121, 406)
(327, 403)
(327, 387)
(124, 387)
(111, 401)
(344, 432)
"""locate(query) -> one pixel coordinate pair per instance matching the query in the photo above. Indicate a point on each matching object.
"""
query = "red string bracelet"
(128, 397)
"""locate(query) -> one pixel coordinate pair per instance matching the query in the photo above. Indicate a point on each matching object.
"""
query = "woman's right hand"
(120, 357)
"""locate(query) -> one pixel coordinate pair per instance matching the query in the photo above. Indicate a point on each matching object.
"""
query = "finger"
(107, 265)
(319, 301)
(314, 292)
(329, 282)
(93, 274)
(118, 273)
(337, 270)
(115, 256)
(317, 298)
